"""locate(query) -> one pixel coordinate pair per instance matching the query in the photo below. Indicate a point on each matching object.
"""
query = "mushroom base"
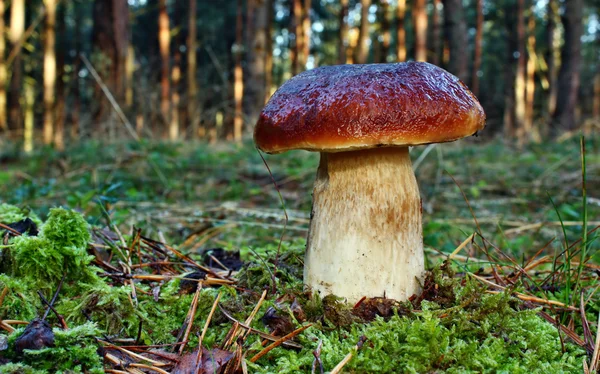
(365, 236)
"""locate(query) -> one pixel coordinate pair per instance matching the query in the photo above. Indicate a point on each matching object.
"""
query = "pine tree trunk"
(386, 37)
(164, 42)
(552, 57)
(343, 33)
(17, 28)
(478, 46)
(49, 70)
(362, 48)
(400, 31)
(509, 77)
(3, 71)
(568, 76)
(436, 34)
(60, 105)
(530, 131)
(193, 113)
(306, 33)
(238, 83)
(76, 109)
(269, 50)
(256, 52)
(295, 32)
(420, 25)
(455, 28)
(29, 100)
(520, 88)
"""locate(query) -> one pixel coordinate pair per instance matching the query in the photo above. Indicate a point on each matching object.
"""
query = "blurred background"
(203, 69)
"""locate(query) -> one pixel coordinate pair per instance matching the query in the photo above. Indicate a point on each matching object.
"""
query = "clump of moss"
(11, 214)
(74, 350)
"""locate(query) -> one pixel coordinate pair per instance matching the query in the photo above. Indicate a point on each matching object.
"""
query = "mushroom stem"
(365, 236)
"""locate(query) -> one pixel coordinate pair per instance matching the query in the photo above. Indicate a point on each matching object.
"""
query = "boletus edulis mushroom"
(365, 236)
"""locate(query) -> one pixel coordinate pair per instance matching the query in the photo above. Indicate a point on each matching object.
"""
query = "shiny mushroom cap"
(349, 107)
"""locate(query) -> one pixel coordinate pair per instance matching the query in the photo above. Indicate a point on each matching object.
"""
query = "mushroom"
(365, 236)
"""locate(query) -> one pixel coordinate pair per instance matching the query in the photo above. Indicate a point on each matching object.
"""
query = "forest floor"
(503, 230)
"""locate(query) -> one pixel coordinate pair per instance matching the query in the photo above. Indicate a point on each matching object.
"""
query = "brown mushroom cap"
(347, 107)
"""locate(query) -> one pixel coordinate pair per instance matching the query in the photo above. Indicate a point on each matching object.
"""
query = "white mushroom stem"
(365, 235)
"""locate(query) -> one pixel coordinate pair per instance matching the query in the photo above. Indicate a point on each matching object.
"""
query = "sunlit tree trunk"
(400, 31)
(164, 42)
(520, 88)
(17, 28)
(568, 76)
(60, 101)
(49, 70)
(238, 83)
(29, 100)
(362, 48)
(306, 33)
(436, 33)
(3, 73)
(552, 56)
(269, 50)
(343, 31)
(129, 70)
(534, 133)
(295, 32)
(256, 52)
(193, 113)
(477, 52)
(420, 27)
(386, 37)
(455, 28)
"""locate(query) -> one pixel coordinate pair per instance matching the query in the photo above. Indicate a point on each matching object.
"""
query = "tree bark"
(306, 33)
(552, 57)
(400, 31)
(192, 87)
(164, 42)
(530, 131)
(255, 77)
(60, 102)
(295, 33)
(420, 26)
(49, 70)
(455, 28)
(436, 34)
(17, 28)
(384, 47)
(3, 71)
(238, 83)
(269, 50)
(509, 77)
(362, 48)
(110, 42)
(568, 76)
(520, 88)
(29, 101)
(477, 52)
(343, 33)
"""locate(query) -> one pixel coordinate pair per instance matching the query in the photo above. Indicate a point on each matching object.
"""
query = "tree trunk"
(60, 104)
(455, 28)
(552, 57)
(530, 131)
(477, 52)
(436, 34)
(343, 33)
(362, 48)
(568, 76)
(295, 33)
(164, 42)
(76, 109)
(49, 70)
(110, 38)
(384, 17)
(400, 31)
(29, 98)
(256, 56)
(420, 26)
(520, 103)
(3, 72)
(17, 28)
(129, 70)
(306, 33)
(269, 50)
(509, 77)
(192, 88)
(238, 83)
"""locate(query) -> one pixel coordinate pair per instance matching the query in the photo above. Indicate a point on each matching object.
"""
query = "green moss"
(11, 214)
(67, 229)
(75, 350)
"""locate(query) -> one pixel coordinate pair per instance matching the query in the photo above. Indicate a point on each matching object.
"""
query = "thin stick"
(190, 317)
(596, 355)
(278, 343)
(205, 329)
(461, 246)
(338, 367)
(110, 98)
